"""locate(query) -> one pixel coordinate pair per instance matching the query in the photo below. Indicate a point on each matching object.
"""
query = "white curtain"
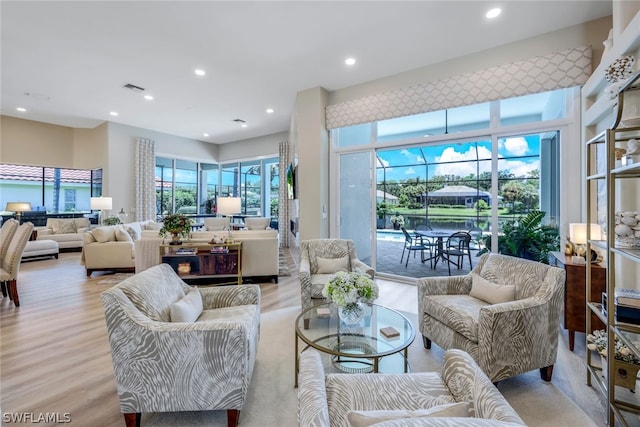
(145, 179)
(283, 196)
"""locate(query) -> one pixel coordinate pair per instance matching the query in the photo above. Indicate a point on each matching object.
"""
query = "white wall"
(262, 147)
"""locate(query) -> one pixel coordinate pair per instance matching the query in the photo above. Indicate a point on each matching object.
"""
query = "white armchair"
(320, 259)
(166, 364)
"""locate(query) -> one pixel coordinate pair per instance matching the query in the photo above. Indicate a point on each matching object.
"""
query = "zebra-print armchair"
(320, 259)
(459, 396)
(195, 355)
(505, 313)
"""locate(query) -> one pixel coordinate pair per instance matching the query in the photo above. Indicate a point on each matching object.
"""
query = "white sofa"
(260, 249)
(112, 248)
(68, 232)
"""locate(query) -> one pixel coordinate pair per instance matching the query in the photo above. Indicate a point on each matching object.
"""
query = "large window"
(432, 174)
(50, 190)
(193, 188)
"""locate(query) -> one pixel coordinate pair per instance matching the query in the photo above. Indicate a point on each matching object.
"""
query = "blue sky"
(509, 149)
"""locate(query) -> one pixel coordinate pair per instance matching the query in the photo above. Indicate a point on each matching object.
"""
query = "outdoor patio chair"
(414, 244)
(456, 249)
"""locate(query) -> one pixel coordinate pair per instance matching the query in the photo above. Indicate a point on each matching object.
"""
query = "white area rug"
(271, 401)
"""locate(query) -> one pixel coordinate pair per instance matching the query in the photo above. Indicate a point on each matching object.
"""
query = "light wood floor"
(55, 357)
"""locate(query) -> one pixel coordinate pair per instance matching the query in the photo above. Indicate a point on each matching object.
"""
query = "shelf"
(632, 254)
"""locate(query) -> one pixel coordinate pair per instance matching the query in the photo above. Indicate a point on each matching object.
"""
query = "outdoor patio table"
(440, 235)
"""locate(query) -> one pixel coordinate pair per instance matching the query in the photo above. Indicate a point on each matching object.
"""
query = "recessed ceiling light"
(113, 113)
(350, 61)
(244, 125)
(148, 97)
(205, 134)
(199, 72)
(493, 13)
(269, 110)
(21, 109)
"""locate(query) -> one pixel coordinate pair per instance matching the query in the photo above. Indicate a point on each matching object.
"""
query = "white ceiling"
(66, 62)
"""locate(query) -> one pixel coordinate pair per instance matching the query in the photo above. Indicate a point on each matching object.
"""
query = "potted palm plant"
(527, 238)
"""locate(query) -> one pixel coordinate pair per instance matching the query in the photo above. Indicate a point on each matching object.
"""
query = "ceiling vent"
(239, 121)
(133, 87)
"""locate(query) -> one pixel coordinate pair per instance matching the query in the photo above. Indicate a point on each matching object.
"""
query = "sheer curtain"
(145, 179)
(283, 195)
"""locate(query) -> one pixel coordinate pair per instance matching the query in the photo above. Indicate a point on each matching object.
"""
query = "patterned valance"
(571, 67)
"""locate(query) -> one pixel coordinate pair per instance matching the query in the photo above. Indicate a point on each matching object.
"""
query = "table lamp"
(578, 235)
(18, 208)
(101, 204)
(229, 206)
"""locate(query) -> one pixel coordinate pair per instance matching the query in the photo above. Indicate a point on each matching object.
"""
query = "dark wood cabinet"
(575, 294)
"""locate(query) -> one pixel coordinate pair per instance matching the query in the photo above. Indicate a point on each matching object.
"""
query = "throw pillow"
(332, 265)
(257, 223)
(152, 225)
(135, 234)
(122, 235)
(369, 418)
(65, 227)
(490, 292)
(188, 309)
(104, 234)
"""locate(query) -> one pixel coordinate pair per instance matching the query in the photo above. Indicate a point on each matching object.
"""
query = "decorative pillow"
(490, 292)
(133, 232)
(152, 225)
(332, 265)
(104, 234)
(122, 235)
(212, 224)
(64, 227)
(369, 418)
(257, 223)
(82, 223)
(188, 309)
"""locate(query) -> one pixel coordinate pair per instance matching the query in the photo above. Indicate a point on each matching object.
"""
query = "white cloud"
(518, 167)
(462, 169)
(410, 171)
(516, 146)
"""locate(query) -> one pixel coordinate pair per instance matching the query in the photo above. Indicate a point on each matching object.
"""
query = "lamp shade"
(101, 203)
(578, 232)
(229, 205)
(18, 206)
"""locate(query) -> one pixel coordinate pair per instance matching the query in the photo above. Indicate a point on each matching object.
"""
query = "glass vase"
(352, 313)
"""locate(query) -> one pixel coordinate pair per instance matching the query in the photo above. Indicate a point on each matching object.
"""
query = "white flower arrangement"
(598, 342)
(346, 288)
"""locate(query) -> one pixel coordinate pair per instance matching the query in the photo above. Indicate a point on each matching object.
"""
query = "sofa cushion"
(492, 293)
(134, 229)
(458, 312)
(332, 265)
(257, 223)
(82, 223)
(104, 234)
(122, 235)
(369, 418)
(188, 309)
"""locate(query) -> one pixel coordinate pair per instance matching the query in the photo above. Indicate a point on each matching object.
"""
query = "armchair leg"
(132, 419)
(546, 372)
(426, 342)
(232, 417)
(3, 285)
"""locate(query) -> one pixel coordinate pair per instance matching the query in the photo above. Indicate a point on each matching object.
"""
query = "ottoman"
(40, 248)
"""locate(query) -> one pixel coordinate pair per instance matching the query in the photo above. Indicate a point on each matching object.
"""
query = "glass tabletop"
(382, 331)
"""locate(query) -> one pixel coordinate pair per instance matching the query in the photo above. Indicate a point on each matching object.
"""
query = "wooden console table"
(575, 294)
(203, 262)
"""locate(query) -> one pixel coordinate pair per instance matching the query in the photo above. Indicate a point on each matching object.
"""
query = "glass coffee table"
(355, 348)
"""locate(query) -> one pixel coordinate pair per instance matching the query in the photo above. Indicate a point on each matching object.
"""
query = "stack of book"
(627, 305)
(219, 250)
(186, 251)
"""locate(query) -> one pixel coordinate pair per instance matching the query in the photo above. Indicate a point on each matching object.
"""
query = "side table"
(575, 294)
